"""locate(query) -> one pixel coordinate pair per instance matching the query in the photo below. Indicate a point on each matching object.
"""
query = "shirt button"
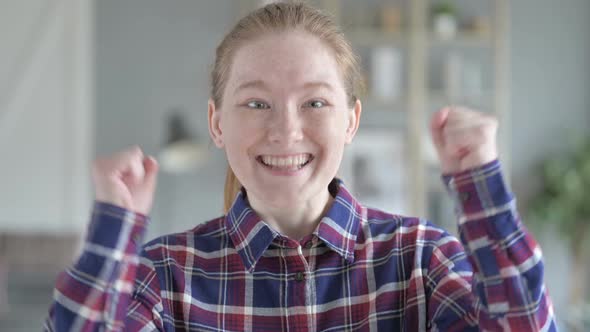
(136, 238)
(299, 276)
(465, 196)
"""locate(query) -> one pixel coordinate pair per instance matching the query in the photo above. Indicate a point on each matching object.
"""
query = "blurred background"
(82, 78)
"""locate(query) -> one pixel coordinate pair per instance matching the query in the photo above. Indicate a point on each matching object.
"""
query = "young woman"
(295, 251)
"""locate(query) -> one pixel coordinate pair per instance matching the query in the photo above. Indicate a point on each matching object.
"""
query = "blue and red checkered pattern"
(361, 270)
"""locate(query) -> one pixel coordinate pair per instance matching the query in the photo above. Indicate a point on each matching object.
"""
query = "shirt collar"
(338, 228)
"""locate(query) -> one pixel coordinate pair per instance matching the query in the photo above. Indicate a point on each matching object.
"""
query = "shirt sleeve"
(492, 280)
(100, 292)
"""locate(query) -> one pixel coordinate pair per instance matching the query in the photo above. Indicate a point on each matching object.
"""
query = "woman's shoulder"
(382, 223)
(205, 237)
(393, 233)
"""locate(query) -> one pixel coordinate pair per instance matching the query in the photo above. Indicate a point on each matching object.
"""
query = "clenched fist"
(463, 138)
(126, 179)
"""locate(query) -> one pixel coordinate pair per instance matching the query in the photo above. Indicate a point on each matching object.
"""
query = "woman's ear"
(215, 132)
(354, 118)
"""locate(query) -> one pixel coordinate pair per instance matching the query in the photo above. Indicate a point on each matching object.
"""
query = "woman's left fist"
(463, 138)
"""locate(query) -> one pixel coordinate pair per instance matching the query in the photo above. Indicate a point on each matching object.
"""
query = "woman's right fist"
(127, 179)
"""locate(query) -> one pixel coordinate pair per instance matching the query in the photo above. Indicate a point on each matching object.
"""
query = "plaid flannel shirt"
(362, 269)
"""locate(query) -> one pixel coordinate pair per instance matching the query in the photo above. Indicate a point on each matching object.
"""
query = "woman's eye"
(257, 105)
(316, 104)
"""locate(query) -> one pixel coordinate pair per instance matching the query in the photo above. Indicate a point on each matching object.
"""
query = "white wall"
(45, 110)
(153, 56)
(550, 105)
(550, 81)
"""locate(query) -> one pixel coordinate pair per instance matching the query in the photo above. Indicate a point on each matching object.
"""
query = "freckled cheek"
(241, 126)
(331, 145)
(239, 137)
(329, 130)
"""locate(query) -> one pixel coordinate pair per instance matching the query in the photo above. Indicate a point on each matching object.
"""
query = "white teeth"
(288, 162)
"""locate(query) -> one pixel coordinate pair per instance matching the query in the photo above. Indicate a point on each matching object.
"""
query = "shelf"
(373, 35)
(462, 39)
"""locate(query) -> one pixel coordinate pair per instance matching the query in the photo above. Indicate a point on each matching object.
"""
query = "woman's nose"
(286, 125)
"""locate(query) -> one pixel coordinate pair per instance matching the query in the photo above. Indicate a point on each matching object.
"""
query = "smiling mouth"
(290, 163)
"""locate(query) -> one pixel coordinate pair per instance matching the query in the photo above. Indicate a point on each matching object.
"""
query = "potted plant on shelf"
(564, 200)
(444, 20)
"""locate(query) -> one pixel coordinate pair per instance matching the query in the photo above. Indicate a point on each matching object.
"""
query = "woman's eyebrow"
(256, 84)
(259, 84)
(319, 84)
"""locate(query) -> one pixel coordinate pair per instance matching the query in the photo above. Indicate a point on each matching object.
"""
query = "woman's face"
(284, 118)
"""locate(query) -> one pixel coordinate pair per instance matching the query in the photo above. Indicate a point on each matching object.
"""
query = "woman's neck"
(296, 220)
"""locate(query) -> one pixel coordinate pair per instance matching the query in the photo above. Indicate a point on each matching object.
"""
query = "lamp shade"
(182, 152)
